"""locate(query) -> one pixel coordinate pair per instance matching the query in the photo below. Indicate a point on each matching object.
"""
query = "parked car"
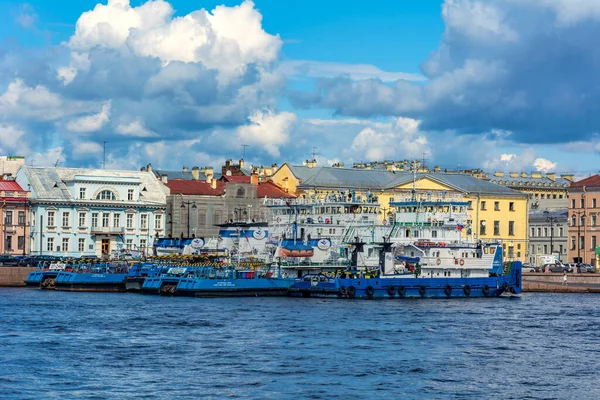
(7, 260)
(570, 267)
(586, 268)
(555, 267)
(27, 261)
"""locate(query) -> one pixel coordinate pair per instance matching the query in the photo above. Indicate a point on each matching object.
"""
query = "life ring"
(485, 290)
(505, 286)
(448, 290)
(401, 291)
(384, 222)
(467, 290)
(327, 221)
(442, 244)
(391, 290)
(438, 261)
(422, 290)
(351, 292)
(278, 220)
(370, 291)
(343, 291)
(462, 262)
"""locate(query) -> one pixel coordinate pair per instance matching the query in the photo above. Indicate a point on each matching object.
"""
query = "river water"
(120, 346)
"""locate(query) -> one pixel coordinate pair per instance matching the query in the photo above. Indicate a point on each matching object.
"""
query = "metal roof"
(348, 178)
(303, 172)
(529, 181)
(49, 183)
(462, 182)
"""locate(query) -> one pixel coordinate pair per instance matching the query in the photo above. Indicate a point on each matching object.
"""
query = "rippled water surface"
(101, 345)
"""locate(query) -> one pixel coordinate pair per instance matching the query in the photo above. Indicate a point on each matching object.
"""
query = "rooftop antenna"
(104, 156)
(423, 164)
(56, 164)
(244, 151)
(32, 162)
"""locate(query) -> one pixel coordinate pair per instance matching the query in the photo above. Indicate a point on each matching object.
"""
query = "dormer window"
(82, 193)
(130, 194)
(106, 195)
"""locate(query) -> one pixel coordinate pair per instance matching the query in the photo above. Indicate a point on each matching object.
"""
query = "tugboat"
(44, 276)
(90, 277)
(444, 271)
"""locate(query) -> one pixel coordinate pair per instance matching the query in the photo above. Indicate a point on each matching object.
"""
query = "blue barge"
(217, 282)
(105, 277)
(44, 277)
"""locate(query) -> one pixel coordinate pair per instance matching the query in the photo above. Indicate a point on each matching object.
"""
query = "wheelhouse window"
(106, 195)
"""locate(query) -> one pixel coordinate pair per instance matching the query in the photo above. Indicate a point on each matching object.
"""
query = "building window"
(560, 248)
(532, 232)
(81, 219)
(545, 249)
(65, 244)
(470, 205)
(545, 232)
(511, 206)
(593, 220)
(116, 220)
(82, 193)
(32, 222)
(572, 242)
(8, 217)
(144, 221)
(202, 218)
(572, 203)
(593, 203)
(106, 195)
(94, 220)
(518, 254)
(105, 218)
(554, 196)
(496, 206)
(240, 192)
(158, 221)
(483, 206)
(582, 202)
(129, 221)
(129, 244)
(511, 252)
(560, 231)
(21, 242)
(50, 244)
(582, 220)
(519, 246)
(434, 234)
(51, 218)
(130, 194)
(482, 227)
(81, 245)
(21, 218)
(65, 219)
(581, 242)
(573, 220)
(539, 232)
(496, 228)
(143, 244)
(593, 242)
(217, 217)
(511, 228)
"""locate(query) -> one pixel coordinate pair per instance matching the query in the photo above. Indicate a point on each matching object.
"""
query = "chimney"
(568, 177)
(274, 166)
(241, 163)
(185, 169)
(149, 167)
(195, 173)
(311, 163)
(514, 174)
(523, 174)
(338, 165)
(551, 176)
(164, 178)
(213, 183)
(437, 169)
(390, 167)
(254, 178)
(536, 175)
(498, 174)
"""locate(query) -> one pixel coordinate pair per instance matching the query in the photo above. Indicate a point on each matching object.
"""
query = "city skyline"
(158, 79)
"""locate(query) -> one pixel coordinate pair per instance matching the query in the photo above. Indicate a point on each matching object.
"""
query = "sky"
(507, 85)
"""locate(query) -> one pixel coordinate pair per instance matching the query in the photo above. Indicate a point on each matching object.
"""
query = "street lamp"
(580, 221)
(552, 220)
(186, 204)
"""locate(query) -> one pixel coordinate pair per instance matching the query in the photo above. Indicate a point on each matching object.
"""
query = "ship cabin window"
(492, 250)
(485, 250)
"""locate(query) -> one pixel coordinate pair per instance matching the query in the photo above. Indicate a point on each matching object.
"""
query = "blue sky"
(492, 84)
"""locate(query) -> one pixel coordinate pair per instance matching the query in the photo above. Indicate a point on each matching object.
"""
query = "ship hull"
(194, 287)
(90, 282)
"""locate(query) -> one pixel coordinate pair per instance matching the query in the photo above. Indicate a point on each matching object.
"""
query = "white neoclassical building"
(78, 211)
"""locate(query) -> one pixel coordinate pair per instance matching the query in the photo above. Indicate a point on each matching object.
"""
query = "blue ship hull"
(41, 279)
(409, 287)
(90, 282)
(199, 287)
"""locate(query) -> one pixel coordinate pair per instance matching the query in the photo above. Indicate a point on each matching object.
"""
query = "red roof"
(236, 179)
(180, 186)
(591, 181)
(10, 186)
(271, 190)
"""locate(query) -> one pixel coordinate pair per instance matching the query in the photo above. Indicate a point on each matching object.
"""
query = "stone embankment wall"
(554, 282)
(14, 276)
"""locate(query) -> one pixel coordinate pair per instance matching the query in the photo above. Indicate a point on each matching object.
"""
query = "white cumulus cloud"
(91, 123)
(268, 129)
(134, 128)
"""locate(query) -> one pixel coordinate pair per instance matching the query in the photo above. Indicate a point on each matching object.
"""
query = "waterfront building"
(493, 213)
(584, 215)
(79, 211)
(548, 234)
(14, 218)
(195, 207)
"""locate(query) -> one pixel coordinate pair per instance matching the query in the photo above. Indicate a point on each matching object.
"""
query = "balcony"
(107, 230)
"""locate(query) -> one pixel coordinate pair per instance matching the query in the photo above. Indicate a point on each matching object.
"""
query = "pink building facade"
(584, 221)
(14, 218)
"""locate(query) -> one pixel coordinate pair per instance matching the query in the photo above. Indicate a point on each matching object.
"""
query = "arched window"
(240, 192)
(106, 195)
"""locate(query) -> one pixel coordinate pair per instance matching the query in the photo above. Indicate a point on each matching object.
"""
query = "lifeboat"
(296, 252)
